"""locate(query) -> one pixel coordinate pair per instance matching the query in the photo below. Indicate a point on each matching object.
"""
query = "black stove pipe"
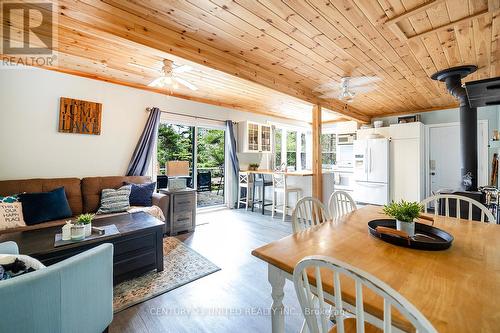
(468, 123)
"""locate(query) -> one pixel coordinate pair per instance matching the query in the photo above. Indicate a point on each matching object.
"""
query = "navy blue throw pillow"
(142, 194)
(45, 206)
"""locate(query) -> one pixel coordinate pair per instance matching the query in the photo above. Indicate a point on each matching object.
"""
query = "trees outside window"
(175, 143)
(328, 150)
(277, 146)
(291, 149)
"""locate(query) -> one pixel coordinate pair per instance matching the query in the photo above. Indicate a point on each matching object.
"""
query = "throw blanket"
(154, 211)
(15, 265)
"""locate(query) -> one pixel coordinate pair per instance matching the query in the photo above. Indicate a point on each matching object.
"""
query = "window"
(291, 149)
(277, 146)
(328, 150)
(303, 158)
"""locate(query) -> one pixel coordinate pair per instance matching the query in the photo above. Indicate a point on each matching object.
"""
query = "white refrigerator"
(371, 171)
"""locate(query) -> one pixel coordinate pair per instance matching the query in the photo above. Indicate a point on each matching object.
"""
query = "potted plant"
(86, 220)
(253, 166)
(405, 213)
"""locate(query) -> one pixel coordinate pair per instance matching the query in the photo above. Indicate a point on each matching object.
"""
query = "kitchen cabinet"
(254, 137)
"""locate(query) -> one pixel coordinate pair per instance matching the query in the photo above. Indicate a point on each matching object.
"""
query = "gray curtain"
(234, 166)
(144, 150)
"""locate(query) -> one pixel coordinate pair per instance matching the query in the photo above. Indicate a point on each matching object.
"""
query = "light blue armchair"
(74, 295)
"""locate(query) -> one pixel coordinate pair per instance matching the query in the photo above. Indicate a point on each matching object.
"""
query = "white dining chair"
(315, 303)
(340, 203)
(308, 212)
(437, 199)
(280, 187)
(244, 182)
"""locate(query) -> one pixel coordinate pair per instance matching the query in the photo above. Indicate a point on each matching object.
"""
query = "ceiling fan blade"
(327, 86)
(362, 80)
(160, 82)
(186, 83)
(182, 69)
(156, 82)
(362, 89)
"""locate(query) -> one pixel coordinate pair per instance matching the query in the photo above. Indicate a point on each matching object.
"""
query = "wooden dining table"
(457, 289)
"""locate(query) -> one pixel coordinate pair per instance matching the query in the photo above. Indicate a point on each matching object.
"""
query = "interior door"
(444, 157)
(378, 160)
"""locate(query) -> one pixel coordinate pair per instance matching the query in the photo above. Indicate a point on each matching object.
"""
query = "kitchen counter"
(287, 173)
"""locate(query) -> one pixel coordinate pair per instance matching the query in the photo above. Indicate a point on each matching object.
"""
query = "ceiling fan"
(348, 88)
(169, 77)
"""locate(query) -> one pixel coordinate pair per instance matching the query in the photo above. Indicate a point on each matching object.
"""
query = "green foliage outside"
(291, 149)
(210, 148)
(403, 211)
(175, 143)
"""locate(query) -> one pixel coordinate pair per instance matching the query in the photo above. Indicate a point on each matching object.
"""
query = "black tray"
(426, 237)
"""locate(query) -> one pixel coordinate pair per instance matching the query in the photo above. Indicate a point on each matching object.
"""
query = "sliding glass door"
(203, 148)
(210, 166)
(176, 143)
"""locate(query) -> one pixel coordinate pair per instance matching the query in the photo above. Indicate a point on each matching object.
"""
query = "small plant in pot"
(405, 213)
(253, 166)
(86, 220)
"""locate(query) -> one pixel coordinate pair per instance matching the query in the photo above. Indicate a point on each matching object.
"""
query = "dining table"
(457, 289)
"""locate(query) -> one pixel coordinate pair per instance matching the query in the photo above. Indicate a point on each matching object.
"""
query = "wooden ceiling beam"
(413, 11)
(450, 25)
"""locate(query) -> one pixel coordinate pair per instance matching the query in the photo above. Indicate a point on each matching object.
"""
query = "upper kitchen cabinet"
(254, 137)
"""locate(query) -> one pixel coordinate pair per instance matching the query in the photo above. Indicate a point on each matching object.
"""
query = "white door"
(444, 156)
(378, 160)
(360, 160)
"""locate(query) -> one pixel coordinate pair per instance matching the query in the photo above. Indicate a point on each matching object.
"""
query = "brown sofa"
(84, 195)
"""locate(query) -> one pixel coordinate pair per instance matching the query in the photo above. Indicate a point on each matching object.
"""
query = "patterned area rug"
(181, 266)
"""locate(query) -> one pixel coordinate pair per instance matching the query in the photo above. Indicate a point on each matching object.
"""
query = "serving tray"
(426, 237)
(108, 231)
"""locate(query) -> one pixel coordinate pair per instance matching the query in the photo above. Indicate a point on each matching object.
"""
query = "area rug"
(182, 265)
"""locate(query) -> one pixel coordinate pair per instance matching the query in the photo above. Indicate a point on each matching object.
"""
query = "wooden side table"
(181, 211)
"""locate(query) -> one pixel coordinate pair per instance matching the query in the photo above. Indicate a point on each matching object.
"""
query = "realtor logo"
(28, 28)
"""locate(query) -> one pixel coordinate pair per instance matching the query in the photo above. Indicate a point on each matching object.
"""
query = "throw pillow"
(142, 194)
(45, 206)
(9, 199)
(115, 201)
(11, 213)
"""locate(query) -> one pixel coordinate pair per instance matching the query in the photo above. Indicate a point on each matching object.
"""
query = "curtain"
(144, 150)
(234, 165)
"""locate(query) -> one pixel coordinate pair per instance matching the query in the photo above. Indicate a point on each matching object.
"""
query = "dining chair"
(340, 203)
(315, 303)
(458, 199)
(280, 186)
(308, 212)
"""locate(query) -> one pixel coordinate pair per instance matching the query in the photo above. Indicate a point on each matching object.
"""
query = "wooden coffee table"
(138, 248)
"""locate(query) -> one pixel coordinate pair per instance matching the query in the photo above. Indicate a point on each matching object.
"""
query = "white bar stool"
(280, 187)
(244, 182)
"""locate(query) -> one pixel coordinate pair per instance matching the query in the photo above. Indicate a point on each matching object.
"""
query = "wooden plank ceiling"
(277, 57)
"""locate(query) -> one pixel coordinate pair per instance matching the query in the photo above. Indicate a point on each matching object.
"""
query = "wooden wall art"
(82, 117)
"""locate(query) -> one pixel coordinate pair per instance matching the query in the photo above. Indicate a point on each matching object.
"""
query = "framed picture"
(82, 117)
(409, 119)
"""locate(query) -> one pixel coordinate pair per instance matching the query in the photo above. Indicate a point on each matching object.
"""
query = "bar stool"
(280, 187)
(244, 182)
(259, 180)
